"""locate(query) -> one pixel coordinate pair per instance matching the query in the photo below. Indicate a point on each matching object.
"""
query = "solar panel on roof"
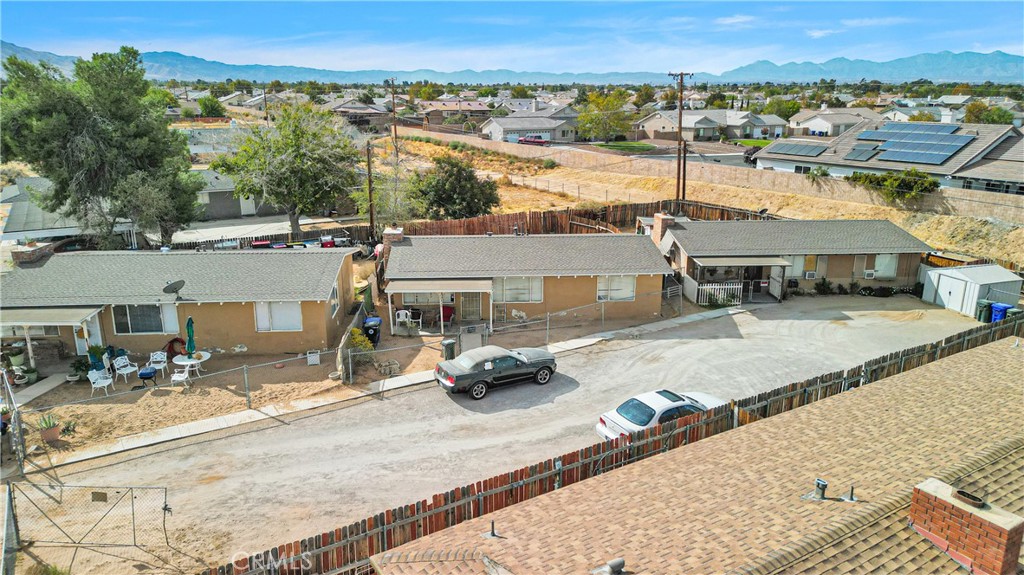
(861, 155)
(865, 146)
(808, 150)
(920, 128)
(914, 157)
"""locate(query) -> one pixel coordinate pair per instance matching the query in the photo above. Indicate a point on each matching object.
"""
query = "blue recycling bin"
(999, 311)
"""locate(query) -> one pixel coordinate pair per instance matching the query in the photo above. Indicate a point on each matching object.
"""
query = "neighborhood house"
(756, 260)
(510, 278)
(272, 302)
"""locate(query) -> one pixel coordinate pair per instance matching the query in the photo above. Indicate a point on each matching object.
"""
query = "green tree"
(921, 117)
(161, 97)
(243, 86)
(603, 118)
(368, 96)
(455, 119)
(487, 92)
(303, 164)
(451, 190)
(644, 95)
(716, 100)
(782, 108)
(211, 107)
(187, 112)
(582, 93)
(671, 98)
(521, 92)
(897, 187)
(962, 90)
(500, 112)
(979, 113)
(275, 86)
(172, 84)
(99, 138)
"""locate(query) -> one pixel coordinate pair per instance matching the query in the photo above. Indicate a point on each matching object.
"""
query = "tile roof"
(1005, 162)
(794, 237)
(733, 501)
(125, 277)
(986, 136)
(430, 257)
(803, 115)
(546, 112)
(526, 123)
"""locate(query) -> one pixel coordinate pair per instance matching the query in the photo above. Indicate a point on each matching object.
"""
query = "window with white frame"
(885, 266)
(278, 316)
(154, 318)
(518, 290)
(33, 331)
(796, 270)
(616, 288)
(333, 300)
(427, 298)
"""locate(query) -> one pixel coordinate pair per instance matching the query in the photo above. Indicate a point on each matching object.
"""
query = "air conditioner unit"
(810, 275)
(869, 274)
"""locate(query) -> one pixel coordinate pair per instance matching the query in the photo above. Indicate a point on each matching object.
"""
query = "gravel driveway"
(311, 474)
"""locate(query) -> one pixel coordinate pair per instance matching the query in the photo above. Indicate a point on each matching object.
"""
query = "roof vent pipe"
(820, 485)
(614, 567)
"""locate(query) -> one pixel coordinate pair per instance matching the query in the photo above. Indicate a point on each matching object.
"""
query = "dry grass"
(522, 199)
(492, 162)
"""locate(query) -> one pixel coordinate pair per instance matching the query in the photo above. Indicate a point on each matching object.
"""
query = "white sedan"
(653, 408)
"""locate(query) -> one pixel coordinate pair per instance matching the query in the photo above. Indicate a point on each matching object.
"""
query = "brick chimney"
(392, 234)
(985, 538)
(662, 222)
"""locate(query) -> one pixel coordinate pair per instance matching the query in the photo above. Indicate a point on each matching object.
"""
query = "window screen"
(616, 288)
(279, 316)
(885, 266)
(138, 319)
(518, 290)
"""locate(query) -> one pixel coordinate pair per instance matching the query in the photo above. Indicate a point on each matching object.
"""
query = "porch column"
(490, 303)
(391, 315)
(440, 311)
(28, 344)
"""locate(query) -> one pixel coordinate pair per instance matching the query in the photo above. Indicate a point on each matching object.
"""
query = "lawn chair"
(158, 360)
(447, 315)
(123, 366)
(405, 317)
(100, 380)
(388, 367)
(181, 376)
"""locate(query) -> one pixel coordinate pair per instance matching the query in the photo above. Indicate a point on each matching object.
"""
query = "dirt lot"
(103, 419)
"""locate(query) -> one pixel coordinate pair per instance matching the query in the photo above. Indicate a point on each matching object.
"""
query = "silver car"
(653, 408)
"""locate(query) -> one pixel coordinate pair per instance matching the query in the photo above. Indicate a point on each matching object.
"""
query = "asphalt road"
(316, 473)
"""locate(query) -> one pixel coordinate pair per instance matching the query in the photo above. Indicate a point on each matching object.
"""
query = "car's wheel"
(478, 390)
(542, 376)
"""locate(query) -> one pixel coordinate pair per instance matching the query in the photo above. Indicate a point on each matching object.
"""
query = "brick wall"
(986, 539)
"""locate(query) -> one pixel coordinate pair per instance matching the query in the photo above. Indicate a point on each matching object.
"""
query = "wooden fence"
(347, 550)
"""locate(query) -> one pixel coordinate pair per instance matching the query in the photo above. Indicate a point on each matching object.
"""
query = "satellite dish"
(174, 287)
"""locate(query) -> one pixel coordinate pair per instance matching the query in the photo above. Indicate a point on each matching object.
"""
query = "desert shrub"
(841, 289)
(590, 205)
(866, 290)
(883, 292)
(549, 164)
(854, 287)
(358, 342)
(823, 287)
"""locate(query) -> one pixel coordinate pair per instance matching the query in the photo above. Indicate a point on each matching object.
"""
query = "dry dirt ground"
(979, 237)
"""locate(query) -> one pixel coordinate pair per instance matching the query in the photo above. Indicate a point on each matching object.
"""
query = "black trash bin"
(984, 312)
(371, 329)
(448, 349)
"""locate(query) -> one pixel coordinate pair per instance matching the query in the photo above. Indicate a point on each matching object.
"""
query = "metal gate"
(85, 515)
(15, 431)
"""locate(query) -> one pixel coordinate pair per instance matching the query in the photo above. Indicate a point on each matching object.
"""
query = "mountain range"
(944, 66)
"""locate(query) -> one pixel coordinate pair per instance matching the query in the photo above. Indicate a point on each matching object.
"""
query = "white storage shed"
(960, 288)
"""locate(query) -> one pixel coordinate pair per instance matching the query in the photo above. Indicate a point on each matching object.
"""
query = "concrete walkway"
(191, 428)
(38, 388)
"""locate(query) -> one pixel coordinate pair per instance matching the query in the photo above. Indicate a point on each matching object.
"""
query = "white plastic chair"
(158, 360)
(123, 366)
(181, 376)
(404, 317)
(100, 380)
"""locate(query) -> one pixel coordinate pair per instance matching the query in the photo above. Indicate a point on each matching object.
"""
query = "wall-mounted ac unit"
(810, 275)
(869, 274)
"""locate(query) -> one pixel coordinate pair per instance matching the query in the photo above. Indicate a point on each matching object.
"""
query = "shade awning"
(742, 261)
(438, 286)
(27, 317)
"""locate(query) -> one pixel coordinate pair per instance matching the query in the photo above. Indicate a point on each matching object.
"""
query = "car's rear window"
(636, 411)
(669, 395)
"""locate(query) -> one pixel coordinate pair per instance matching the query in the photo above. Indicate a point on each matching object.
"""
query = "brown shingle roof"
(729, 500)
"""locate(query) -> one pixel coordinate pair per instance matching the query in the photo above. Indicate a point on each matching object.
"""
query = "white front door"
(92, 325)
(248, 206)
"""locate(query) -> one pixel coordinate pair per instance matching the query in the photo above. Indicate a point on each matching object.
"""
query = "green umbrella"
(190, 343)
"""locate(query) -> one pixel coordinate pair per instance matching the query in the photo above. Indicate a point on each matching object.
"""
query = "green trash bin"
(1013, 312)
(984, 312)
(448, 349)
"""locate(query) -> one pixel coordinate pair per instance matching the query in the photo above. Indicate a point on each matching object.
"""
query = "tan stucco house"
(756, 260)
(500, 278)
(263, 302)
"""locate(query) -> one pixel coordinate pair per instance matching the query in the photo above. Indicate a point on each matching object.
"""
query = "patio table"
(192, 363)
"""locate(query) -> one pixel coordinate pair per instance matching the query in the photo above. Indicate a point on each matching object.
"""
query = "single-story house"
(757, 260)
(263, 302)
(828, 124)
(711, 124)
(435, 111)
(552, 123)
(938, 114)
(219, 201)
(22, 219)
(960, 288)
(366, 117)
(234, 99)
(502, 277)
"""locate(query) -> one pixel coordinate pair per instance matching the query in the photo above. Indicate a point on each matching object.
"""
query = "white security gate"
(775, 282)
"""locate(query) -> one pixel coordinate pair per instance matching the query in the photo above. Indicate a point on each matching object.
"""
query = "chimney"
(392, 234)
(533, 105)
(978, 535)
(662, 222)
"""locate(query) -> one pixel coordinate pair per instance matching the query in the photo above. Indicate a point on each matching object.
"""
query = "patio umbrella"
(190, 341)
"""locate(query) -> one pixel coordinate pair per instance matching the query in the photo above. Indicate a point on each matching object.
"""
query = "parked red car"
(534, 140)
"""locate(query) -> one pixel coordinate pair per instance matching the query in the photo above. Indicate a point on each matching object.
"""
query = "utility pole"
(394, 126)
(369, 182)
(680, 142)
(266, 112)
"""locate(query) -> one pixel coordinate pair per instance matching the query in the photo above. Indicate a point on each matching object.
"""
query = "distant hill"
(939, 67)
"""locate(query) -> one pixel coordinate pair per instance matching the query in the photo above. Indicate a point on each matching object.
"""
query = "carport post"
(245, 382)
(490, 301)
(391, 315)
(28, 344)
(440, 310)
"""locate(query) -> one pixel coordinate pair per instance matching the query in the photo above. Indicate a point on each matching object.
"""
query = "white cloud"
(737, 20)
(821, 33)
(872, 22)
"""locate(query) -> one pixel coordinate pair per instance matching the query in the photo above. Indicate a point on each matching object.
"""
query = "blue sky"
(534, 36)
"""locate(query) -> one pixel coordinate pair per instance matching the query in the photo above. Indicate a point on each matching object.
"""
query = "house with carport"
(499, 278)
(242, 301)
(757, 260)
